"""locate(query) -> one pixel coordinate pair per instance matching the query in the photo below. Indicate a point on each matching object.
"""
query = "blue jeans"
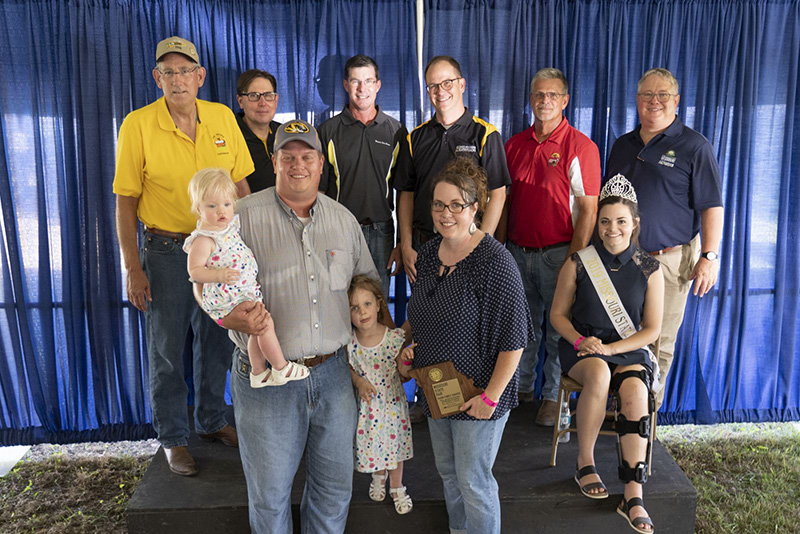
(539, 272)
(380, 241)
(168, 318)
(277, 425)
(464, 452)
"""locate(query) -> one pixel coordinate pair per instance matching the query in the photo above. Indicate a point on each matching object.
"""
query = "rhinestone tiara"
(618, 186)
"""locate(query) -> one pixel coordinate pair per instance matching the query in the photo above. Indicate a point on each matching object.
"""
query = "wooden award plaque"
(446, 389)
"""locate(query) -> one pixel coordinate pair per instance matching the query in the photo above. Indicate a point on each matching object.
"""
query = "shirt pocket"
(340, 269)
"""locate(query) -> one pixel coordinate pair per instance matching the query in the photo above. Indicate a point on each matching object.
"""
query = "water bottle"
(563, 423)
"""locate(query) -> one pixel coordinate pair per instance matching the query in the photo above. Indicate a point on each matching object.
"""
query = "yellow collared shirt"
(156, 161)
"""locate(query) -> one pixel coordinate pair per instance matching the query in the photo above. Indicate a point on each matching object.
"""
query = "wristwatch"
(710, 256)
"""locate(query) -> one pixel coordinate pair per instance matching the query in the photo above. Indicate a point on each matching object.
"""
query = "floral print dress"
(383, 435)
(219, 299)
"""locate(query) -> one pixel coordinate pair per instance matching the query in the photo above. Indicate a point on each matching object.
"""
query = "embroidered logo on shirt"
(554, 157)
(466, 148)
(382, 142)
(668, 159)
(222, 146)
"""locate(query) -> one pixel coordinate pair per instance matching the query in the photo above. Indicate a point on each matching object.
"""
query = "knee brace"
(623, 426)
(637, 473)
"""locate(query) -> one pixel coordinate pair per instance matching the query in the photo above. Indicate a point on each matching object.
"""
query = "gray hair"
(661, 73)
(550, 73)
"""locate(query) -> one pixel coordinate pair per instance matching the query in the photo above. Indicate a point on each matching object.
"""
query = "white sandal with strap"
(377, 488)
(402, 502)
(291, 371)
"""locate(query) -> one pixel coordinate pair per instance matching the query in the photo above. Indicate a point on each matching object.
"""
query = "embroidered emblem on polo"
(219, 141)
(465, 148)
(668, 159)
(296, 127)
(554, 158)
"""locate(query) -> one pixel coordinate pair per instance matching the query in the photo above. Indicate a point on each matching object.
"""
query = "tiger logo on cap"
(296, 127)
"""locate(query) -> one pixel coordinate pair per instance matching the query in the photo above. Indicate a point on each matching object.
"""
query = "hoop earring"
(473, 228)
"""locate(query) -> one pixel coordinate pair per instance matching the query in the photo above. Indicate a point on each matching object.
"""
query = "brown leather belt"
(313, 361)
(542, 249)
(164, 233)
(664, 250)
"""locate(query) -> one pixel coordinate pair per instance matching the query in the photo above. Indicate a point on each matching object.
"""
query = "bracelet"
(219, 322)
(577, 343)
(486, 400)
(405, 362)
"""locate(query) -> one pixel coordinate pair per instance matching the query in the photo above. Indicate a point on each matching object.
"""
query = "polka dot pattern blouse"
(470, 315)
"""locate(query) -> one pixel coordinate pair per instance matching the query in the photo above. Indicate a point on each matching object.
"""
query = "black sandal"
(624, 510)
(589, 470)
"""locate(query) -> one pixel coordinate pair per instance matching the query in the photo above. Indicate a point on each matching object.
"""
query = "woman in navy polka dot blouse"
(468, 306)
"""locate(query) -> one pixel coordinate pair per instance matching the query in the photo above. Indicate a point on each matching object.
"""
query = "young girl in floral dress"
(383, 436)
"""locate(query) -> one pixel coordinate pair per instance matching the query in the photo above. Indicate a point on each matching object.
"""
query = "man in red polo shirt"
(552, 209)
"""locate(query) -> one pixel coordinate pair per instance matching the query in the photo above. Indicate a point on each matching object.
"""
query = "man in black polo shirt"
(677, 180)
(452, 131)
(361, 146)
(257, 96)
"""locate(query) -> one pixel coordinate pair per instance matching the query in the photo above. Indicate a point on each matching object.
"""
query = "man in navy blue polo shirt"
(677, 180)
(361, 145)
(452, 131)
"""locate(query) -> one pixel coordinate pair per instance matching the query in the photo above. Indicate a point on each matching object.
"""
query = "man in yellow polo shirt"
(160, 148)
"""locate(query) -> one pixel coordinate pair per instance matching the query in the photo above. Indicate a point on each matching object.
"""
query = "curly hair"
(469, 178)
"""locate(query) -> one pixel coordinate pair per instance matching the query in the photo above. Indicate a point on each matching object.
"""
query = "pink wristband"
(487, 401)
(219, 322)
(405, 362)
(577, 343)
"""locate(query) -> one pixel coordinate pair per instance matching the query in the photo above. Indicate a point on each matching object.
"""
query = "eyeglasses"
(445, 84)
(648, 96)
(550, 96)
(183, 73)
(269, 96)
(368, 83)
(455, 208)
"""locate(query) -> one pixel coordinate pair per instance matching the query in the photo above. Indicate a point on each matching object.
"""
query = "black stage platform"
(535, 498)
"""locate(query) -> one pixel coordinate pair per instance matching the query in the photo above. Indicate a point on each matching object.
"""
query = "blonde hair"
(661, 73)
(208, 181)
(362, 281)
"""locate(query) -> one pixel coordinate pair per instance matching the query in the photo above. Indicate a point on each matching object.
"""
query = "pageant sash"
(612, 303)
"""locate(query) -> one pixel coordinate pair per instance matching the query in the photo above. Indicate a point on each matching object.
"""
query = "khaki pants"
(677, 266)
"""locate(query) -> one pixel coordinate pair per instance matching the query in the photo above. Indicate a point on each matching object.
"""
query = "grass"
(64, 496)
(747, 478)
(747, 475)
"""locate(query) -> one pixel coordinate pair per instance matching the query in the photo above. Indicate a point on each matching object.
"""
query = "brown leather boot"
(180, 461)
(548, 412)
(227, 435)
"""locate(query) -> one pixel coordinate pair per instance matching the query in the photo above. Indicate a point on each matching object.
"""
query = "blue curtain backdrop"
(737, 63)
(72, 364)
(72, 361)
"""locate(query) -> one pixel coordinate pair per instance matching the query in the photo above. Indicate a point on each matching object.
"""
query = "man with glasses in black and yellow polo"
(160, 147)
(452, 131)
(256, 92)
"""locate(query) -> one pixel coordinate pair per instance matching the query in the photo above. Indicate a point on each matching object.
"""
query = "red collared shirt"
(545, 179)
